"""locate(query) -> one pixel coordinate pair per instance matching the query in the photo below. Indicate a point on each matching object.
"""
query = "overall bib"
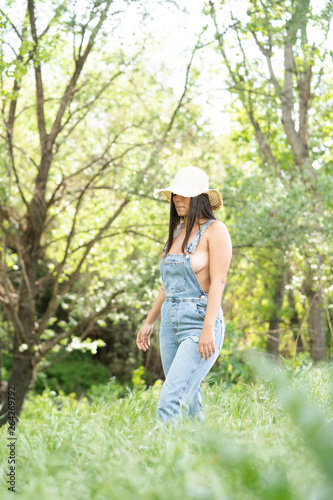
(182, 317)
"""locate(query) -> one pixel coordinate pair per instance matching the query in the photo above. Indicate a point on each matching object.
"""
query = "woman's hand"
(143, 337)
(206, 345)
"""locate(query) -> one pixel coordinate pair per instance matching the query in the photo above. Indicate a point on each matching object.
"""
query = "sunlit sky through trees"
(170, 30)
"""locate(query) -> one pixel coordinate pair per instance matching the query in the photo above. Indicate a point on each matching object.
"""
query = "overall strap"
(174, 235)
(193, 245)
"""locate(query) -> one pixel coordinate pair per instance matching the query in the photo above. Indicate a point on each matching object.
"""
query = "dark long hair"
(199, 209)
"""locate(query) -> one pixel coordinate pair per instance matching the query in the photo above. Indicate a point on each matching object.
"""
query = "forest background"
(102, 102)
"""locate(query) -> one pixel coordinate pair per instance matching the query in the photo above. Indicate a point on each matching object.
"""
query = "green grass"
(272, 440)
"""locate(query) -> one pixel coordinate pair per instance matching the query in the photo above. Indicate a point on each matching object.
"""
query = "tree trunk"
(273, 336)
(316, 321)
(20, 310)
(294, 321)
(316, 325)
(21, 374)
(153, 363)
(20, 379)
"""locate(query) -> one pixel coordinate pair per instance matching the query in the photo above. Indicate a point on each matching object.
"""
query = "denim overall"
(182, 316)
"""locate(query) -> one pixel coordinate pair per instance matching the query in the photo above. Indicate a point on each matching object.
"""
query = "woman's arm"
(156, 309)
(143, 337)
(220, 252)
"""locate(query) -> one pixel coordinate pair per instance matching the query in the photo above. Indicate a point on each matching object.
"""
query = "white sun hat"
(190, 182)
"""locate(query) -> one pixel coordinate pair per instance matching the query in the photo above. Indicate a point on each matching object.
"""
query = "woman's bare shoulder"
(217, 227)
(217, 233)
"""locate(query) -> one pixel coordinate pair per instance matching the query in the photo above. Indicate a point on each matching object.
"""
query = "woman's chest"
(200, 260)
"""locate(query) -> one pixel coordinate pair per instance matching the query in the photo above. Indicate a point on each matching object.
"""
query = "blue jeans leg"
(183, 380)
(196, 410)
(168, 349)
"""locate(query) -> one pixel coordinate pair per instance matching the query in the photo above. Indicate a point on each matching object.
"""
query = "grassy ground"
(272, 440)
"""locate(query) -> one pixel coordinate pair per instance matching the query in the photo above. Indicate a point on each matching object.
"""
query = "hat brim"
(214, 195)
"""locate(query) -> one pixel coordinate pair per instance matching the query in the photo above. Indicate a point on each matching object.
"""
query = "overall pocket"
(201, 310)
(173, 276)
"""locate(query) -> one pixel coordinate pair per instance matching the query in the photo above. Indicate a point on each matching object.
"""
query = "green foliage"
(6, 365)
(268, 441)
(233, 365)
(106, 392)
(74, 374)
(113, 145)
(116, 142)
(279, 213)
(137, 380)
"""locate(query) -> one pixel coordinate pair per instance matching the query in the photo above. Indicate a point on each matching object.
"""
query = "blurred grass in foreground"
(272, 440)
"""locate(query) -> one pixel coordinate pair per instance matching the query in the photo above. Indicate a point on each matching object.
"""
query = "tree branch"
(17, 177)
(93, 161)
(87, 106)
(79, 63)
(25, 276)
(161, 142)
(22, 151)
(12, 24)
(10, 306)
(54, 18)
(46, 346)
(287, 105)
(267, 53)
(304, 89)
(39, 82)
(264, 148)
(57, 292)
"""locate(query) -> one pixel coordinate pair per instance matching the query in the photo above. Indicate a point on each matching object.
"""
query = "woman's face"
(182, 204)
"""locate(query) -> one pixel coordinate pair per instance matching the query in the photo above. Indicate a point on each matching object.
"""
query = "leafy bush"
(6, 365)
(106, 392)
(76, 373)
(137, 380)
(233, 364)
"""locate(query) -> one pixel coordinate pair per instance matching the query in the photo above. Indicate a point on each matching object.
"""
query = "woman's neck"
(200, 221)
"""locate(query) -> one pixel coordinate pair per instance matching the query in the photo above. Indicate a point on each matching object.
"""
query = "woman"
(193, 267)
